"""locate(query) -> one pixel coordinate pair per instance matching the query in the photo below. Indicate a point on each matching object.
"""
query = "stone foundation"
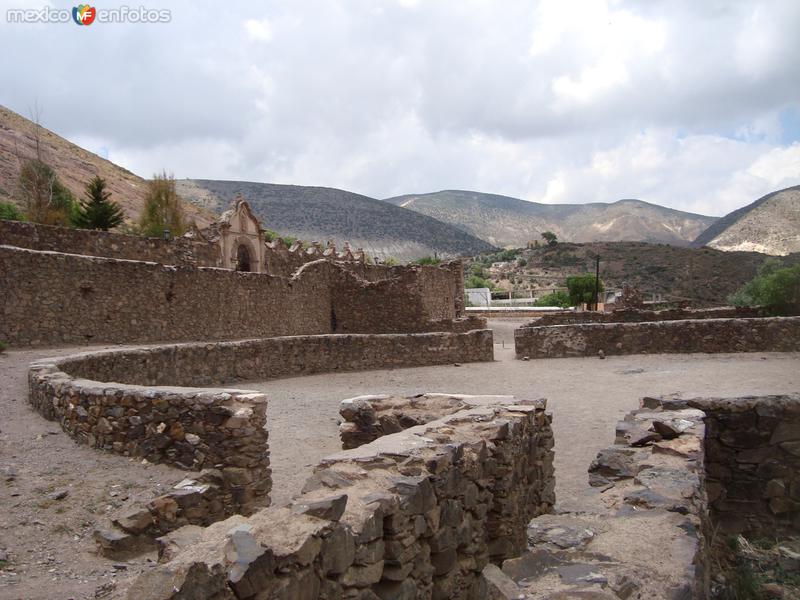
(190, 428)
(415, 514)
(773, 334)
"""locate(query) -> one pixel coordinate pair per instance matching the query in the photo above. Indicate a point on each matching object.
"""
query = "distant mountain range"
(322, 214)
(511, 222)
(73, 165)
(446, 223)
(770, 225)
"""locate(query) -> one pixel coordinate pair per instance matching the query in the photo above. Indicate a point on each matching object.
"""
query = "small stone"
(500, 586)
(526, 358)
(330, 509)
(58, 495)
(601, 355)
(192, 439)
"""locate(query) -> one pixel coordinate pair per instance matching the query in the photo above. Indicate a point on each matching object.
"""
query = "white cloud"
(259, 30)
(676, 104)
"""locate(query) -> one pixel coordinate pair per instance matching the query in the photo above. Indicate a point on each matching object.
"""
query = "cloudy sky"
(694, 105)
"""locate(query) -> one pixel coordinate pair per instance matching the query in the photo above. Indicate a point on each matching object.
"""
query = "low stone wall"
(176, 251)
(636, 315)
(416, 514)
(190, 428)
(773, 334)
(257, 360)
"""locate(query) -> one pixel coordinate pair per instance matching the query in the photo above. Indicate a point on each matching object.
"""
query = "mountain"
(511, 222)
(770, 225)
(73, 165)
(322, 214)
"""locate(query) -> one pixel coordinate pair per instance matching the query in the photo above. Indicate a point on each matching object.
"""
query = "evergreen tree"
(96, 210)
(162, 208)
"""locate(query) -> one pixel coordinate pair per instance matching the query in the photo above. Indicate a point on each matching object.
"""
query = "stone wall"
(176, 251)
(752, 461)
(416, 514)
(776, 334)
(635, 315)
(49, 298)
(190, 428)
(203, 364)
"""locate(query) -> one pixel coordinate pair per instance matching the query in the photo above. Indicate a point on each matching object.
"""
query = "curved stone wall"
(773, 334)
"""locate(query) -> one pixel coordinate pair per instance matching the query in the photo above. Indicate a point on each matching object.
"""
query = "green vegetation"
(581, 289)
(390, 261)
(426, 260)
(473, 281)
(96, 211)
(521, 262)
(288, 240)
(3, 346)
(775, 287)
(10, 212)
(550, 237)
(162, 208)
(43, 196)
(558, 298)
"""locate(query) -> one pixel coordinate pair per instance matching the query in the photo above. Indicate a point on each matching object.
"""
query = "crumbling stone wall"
(190, 428)
(752, 461)
(416, 514)
(714, 467)
(175, 251)
(49, 298)
(773, 334)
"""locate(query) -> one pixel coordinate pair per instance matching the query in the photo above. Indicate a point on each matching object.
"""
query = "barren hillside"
(770, 225)
(318, 213)
(511, 222)
(74, 166)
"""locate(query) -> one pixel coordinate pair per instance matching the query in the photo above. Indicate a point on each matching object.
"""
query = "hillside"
(73, 165)
(511, 222)
(699, 276)
(770, 225)
(317, 213)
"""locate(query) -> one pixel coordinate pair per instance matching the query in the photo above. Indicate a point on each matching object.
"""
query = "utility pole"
(597, 284)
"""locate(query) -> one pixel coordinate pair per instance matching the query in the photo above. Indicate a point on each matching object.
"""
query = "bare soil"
(47, 543)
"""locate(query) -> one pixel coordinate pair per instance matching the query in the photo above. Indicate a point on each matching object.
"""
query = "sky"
(692, 105)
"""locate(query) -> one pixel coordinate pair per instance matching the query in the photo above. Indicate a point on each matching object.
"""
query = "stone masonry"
(415, 514)
(769, 334)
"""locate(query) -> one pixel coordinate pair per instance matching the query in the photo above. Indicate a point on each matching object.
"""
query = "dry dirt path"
(47, 543)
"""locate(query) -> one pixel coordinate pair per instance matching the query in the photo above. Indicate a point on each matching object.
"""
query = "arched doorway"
(242, 258)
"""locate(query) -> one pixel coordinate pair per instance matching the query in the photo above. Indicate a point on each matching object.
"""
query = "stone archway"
(243, 258)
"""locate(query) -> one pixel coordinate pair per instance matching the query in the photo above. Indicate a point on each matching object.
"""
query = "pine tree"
(96, 210)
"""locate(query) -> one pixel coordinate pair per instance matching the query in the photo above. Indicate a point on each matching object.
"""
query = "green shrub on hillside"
(473, 281)
(10, 212)
(775, 288)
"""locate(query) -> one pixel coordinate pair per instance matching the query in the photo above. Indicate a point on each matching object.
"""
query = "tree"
(581, 289)
(10, 212)
(162, 208)
(550, 237)
(775, 288)
(96, 210)
(558, 298)
(44, 197)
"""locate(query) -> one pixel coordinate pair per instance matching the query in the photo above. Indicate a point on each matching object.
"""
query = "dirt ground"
(46, 550)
